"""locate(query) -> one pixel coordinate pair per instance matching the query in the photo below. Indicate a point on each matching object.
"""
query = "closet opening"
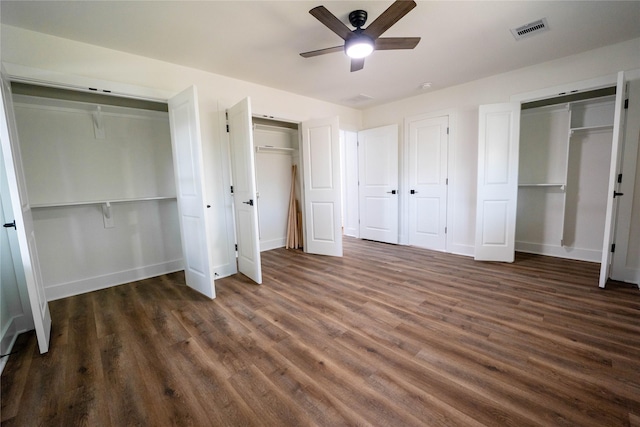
(278, 183)
(100, 182)
(565, 153)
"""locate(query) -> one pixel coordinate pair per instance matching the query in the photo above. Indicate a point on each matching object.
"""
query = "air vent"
(358, 99)
(530, 29)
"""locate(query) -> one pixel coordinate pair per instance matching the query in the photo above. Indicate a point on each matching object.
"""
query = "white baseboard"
(64, 290)
(8, 338)
(466, 250)
(560, 251)
(267, 245)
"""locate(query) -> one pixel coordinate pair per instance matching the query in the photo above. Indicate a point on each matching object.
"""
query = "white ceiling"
(260, 41)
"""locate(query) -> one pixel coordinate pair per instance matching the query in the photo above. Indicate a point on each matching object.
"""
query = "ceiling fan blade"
(330, 21)
(389, 43)
(322, 51)
(357, 64)
(389, 17)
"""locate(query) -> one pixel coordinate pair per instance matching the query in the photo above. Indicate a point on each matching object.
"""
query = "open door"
(243, 172)
(187, 163)
(498, 139)
(614, 168)
(322, 188)
(22, 218)
(378, 183)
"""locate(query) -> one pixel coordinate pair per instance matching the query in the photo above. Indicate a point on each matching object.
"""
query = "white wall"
(462, 102)
(38, 56)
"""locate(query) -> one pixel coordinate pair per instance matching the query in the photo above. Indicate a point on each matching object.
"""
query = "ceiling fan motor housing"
(357, 18)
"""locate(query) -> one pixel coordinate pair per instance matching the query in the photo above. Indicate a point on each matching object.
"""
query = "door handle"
(616, 194)
(391, 192)
(250, 202)
(10, 224)
(413, 191)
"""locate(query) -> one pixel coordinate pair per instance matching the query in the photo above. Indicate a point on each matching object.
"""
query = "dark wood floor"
(386, 336)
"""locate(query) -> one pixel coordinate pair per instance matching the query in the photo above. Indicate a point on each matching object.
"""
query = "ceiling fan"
(361, 42)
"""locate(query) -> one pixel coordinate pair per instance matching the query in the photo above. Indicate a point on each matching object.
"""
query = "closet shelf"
(543, 185)
(99, 202)
(588, 128)
(272, 148)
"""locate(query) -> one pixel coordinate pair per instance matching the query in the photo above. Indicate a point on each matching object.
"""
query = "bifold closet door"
(244, 190)
(18, 209)
(497, 195)
(188, 169)
(614, 168)
(322, 187)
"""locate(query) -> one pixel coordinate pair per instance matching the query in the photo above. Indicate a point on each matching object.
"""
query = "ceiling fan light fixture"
(359, 46)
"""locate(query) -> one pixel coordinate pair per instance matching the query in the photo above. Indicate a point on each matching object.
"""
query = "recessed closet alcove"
(99, 175)
(276, 146)
(565, 153)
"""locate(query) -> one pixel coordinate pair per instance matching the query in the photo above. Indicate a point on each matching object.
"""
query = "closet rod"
(99, 202)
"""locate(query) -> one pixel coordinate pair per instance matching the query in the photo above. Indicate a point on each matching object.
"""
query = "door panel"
(498, 138)
(378, 178)
(21, 213)
(245, 205)
(427, 167)
(322, 188)
(614, 168)
(188, 169)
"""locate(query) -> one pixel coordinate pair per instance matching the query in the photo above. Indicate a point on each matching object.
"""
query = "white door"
(378, 178)
(427, 166)
(188, 169)
(21, 213)
(243, 173)
(497, 194)
(614, 168)
(322, 192)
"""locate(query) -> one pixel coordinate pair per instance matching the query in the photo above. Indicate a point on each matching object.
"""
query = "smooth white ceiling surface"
(260, 41)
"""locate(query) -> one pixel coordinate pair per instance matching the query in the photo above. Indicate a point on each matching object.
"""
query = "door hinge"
(446, 181)
(226, 116)
(613, 247)
(447, 131)
(236, 247)
(227, 127)
(445, 230)
(619, 178)
(232, 189)
(626, 104)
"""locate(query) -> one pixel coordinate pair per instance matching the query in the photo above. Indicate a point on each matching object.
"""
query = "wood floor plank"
(386, 335)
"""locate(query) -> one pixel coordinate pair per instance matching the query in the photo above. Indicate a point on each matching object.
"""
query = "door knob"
(391, 192)
(413, 191)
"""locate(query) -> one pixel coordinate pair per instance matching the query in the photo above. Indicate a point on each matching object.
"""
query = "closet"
(99, 175)
(565, 152)
(276, 145)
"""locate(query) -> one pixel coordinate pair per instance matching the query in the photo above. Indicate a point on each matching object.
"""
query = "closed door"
(378, 179)
(428, 182)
